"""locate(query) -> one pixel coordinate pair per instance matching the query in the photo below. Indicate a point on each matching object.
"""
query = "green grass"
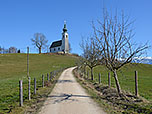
(34, 105)
(13, 68)
(126, 77)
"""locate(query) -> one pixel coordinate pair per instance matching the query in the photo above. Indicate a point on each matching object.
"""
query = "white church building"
(61, 45)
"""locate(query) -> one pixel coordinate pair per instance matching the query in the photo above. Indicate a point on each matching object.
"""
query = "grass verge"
(110, 101)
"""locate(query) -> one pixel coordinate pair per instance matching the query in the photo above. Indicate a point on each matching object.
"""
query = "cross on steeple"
(64, 21)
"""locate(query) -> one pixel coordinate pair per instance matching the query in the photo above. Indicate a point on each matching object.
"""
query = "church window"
(66, 36)
(58, 48)
(54, 49)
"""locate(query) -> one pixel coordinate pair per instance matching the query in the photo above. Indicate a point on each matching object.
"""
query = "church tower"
(65, 41)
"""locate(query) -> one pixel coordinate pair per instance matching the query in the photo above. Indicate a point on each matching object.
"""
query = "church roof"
(56, 44)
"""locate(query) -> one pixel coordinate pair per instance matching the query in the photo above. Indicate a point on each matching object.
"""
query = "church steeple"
(65, 41)
(65, 29)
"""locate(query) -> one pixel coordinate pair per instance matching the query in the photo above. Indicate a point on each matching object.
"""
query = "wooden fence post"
(21, 93)
(136, 83)
(88, 74)
(47, 76)
(27, 61)
(50, 76)
(54, 73)
(29, 92)
(42, 80)
(84, 70)
(83, 74)
(109, 81)
(99, 78)
(34, 86)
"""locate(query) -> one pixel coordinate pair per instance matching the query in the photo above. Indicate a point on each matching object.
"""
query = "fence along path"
(21, 88)
(68, 97)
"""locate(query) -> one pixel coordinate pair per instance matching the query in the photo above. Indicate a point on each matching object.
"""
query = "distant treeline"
(9, 50)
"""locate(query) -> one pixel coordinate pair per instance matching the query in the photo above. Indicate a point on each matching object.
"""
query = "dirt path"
(68, 97)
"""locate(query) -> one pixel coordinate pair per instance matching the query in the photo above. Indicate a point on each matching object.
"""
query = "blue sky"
(20, 19)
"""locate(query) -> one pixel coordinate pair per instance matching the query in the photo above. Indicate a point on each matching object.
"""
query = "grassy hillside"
(13, 68)
(126, 77)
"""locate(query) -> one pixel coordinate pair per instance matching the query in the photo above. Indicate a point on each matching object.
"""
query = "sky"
(20, 19)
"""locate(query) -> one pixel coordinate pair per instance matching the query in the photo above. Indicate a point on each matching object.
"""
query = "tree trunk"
(39, 50)
(117, 82)
(92, 73)
(84, 70)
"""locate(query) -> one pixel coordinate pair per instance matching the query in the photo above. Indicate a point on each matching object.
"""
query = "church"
(61, 46)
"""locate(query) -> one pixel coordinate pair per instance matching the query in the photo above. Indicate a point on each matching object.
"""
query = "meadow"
(126, 76)
(13, 67)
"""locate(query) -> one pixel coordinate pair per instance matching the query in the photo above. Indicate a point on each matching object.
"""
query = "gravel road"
(68, 97)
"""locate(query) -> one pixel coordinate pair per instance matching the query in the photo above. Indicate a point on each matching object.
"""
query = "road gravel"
(68, 97)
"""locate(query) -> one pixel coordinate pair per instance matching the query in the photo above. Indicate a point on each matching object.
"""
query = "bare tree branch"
(39, 41)
(90, 54)
(113, 42)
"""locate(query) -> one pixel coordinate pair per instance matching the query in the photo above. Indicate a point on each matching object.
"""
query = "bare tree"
(12, 50)
(80, 63)
(90, 54)
(39, 41)
(113, 41)
(70, 49)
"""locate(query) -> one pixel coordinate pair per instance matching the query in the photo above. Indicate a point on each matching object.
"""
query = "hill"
(13, 67)
(144, 60)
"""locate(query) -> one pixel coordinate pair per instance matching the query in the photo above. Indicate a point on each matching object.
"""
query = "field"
(126, 76)
(13, 68)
